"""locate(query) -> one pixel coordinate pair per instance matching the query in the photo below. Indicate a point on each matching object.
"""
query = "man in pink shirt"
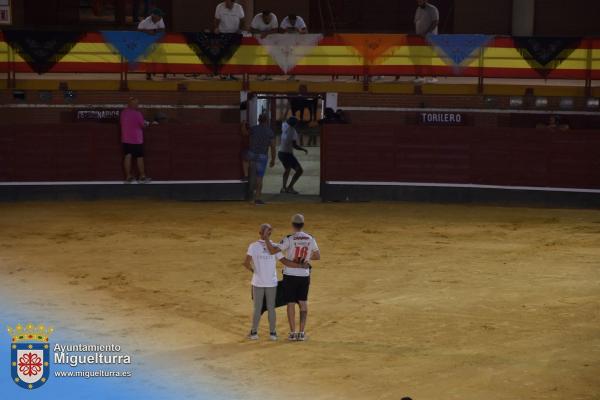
(132, 137)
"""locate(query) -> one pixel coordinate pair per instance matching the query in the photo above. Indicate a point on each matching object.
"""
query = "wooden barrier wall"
(462, 155)
(92, 152)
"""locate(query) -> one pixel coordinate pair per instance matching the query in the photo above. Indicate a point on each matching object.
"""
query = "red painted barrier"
(92, 152)
(462, 155)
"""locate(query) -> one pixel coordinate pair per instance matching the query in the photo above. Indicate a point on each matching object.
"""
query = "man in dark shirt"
(261, 138)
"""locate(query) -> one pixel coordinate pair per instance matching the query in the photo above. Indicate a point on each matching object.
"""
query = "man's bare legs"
(295, 178)
(141, 169)
(127, 167)
(303, 315)
(245, 167)
(291, 313)
(259, 186)
(286, 175)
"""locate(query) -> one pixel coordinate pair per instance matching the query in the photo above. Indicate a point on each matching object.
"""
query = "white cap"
(298, 219)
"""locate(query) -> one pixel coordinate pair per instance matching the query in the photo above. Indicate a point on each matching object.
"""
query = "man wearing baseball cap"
(299, 247)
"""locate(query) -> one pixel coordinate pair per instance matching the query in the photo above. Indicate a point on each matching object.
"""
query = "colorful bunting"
(458, 50)
(42, 50)
(546, 53)
(373, 48)
(288, 49)
(132, 45)
(214, 49)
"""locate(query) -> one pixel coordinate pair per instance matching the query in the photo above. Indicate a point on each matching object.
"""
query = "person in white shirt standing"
(293, 24)
(229, 17)
(427, 18)
(302, 248)
(262, 264)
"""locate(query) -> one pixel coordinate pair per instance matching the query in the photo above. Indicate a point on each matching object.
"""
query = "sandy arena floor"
(428, 301)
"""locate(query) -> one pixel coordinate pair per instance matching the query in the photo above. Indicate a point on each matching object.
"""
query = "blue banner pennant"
(132, 45)
(458, 48)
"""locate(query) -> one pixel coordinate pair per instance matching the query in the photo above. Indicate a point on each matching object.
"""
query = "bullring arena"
(456, 216)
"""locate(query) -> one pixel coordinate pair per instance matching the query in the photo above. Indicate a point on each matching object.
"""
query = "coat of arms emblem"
(30, 355)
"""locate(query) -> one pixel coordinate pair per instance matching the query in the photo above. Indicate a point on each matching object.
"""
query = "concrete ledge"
(209, 191)
(449, 194)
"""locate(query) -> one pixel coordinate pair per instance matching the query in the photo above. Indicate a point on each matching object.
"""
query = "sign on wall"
(441, 118)
(5, 12)
(97, 115)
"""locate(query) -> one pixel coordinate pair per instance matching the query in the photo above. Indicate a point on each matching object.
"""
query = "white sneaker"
(252, 336)
(301, 337)
(292, 337)
(432, 80)
(419, 81)
(273, 336)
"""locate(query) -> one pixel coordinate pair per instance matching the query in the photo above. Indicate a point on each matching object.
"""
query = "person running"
(300, 247)
(289, 142)
(263, 264)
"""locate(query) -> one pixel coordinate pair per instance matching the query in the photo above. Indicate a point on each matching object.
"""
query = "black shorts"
(295, 288)
(289, 161)
(136, 150)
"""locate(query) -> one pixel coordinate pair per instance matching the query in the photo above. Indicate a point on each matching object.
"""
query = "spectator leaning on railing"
(152, 25)
(263, 25)
(293, 24)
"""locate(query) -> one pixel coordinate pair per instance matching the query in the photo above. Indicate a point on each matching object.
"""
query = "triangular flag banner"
(42, 50)
(546, 53)
(214, 49)
(288, 49)
(132, 45)
(373, 48)
(458, 50)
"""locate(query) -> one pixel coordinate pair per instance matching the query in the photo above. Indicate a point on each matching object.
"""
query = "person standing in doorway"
(262, 138)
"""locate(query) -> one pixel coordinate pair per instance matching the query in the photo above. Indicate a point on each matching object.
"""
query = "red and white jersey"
(298, 247)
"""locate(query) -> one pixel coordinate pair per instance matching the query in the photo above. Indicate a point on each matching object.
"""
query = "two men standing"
(299, 248)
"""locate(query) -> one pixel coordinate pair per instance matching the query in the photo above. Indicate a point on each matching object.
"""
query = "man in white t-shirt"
(289, 142)
(229, 17)
(293, 24)
(427, 18)
(154, 23)
(262, 264)
(264, 24)
(302, 248)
